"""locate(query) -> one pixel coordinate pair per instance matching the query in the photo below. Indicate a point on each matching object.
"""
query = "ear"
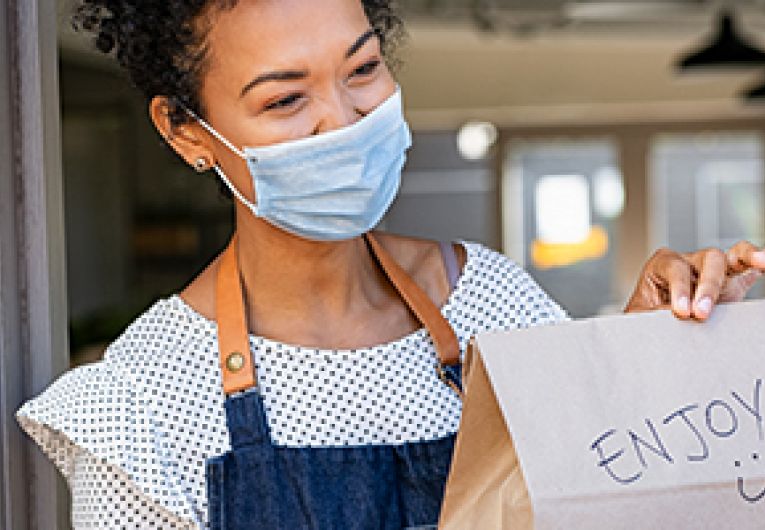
(188, 139)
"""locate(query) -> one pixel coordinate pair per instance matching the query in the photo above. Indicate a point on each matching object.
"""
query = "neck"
(287, 277)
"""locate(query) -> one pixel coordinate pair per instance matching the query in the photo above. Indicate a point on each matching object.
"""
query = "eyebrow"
(294, 75)
(361, 41)
(286, 75)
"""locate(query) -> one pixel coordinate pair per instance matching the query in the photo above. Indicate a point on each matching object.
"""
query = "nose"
(338, 111)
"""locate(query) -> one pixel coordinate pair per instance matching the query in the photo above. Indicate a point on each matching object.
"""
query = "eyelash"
(284, 102)
(366, 69)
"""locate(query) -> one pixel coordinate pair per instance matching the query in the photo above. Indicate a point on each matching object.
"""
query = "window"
(707, 190)
(560, 202)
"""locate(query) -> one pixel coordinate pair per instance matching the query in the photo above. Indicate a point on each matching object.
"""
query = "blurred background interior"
(576, 136)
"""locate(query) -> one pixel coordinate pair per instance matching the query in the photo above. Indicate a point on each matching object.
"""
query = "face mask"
(333, 186)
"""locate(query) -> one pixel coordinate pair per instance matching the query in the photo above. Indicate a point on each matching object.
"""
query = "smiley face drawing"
(741, 488)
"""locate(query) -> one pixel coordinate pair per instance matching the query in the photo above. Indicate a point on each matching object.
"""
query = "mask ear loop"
(238, 194)
(209, 128)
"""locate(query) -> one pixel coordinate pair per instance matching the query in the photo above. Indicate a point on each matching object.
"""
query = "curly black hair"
(161, 43)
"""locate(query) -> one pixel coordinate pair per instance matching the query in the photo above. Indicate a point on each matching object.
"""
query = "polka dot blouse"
(131, 432)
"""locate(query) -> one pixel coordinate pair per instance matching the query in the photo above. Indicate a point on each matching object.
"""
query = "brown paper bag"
(485, 489)
(629, 423)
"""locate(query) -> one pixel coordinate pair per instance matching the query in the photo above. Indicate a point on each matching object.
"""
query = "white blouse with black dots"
(131, 433)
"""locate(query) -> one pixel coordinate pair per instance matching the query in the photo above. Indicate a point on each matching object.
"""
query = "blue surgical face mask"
(333, 186)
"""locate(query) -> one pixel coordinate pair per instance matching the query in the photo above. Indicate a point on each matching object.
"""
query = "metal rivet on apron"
(235, 361)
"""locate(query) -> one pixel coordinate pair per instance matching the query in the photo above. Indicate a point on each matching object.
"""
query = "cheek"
(368, 98)
(236, 171)
(270, 132)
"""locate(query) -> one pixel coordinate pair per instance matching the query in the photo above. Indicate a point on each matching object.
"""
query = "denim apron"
(258, 485)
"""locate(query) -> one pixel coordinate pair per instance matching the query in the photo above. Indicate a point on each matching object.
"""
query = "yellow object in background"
(552, 255)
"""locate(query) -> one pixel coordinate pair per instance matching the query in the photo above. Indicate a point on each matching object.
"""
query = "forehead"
(281, 33)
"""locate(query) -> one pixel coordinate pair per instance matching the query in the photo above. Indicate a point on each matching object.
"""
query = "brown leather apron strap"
(236, 361)
(442, 333)
(237, 367)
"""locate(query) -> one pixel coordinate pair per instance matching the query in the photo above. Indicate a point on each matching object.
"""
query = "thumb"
(738, 286)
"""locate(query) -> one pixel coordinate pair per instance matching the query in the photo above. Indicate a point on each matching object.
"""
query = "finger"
(744, 255)
(677, 274)
(712, 266)
(738, 286)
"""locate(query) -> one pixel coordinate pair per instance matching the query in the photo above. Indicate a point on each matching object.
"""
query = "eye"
(285, 102)
(367, 68)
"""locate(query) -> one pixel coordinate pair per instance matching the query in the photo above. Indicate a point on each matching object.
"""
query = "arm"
(105, 497)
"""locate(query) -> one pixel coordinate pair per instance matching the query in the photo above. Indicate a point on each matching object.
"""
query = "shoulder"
(164, 348)
(423, 260)
(158, 381)
(155, 347)
(198, 293)
(498, 293)
(164, 332)
(411, 252)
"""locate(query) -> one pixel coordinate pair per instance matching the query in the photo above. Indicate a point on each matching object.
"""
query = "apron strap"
(237, 367)
(233, 338)
(429, 315)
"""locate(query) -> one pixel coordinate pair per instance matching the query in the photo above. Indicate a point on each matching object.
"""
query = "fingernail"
(682, 304)
(759, 256)
(704, 305)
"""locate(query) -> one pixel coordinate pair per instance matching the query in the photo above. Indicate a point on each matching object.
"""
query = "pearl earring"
(201, 164)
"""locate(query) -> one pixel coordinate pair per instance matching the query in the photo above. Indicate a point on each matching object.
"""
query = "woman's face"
(280, 70)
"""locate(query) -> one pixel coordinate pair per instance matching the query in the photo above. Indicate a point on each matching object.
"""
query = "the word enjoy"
(717, 419)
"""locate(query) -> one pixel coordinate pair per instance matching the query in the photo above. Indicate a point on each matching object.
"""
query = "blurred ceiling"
(451, 75)
(529, 16)
(565, 62)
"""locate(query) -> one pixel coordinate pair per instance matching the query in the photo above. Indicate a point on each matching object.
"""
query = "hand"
(691, 284)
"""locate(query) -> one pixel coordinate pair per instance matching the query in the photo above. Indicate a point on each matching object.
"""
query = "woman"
(347, 417)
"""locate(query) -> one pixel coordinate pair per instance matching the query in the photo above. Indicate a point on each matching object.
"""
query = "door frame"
(33, 307)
